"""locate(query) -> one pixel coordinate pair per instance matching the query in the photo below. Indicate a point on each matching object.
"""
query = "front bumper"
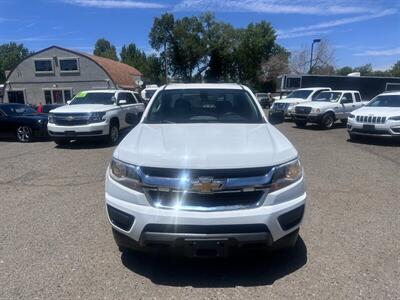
(310, 118)
(90, 130)
(388, 129)
(147, 225)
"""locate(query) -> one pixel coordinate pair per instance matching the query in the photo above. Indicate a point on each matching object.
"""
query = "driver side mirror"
(132, 118)
(122, 102)
(276, 117)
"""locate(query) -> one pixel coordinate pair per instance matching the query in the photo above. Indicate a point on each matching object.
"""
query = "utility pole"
(312, 50)
(165, 62)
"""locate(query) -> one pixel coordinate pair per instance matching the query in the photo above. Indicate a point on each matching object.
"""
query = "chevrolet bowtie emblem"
(206, 185)
(70, 118)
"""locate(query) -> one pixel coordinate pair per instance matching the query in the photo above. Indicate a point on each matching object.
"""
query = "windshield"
(385, 101)
(19, 110)
(328, 96)
(302, 94)
(93, 98)
(203, 106)
(149, 93)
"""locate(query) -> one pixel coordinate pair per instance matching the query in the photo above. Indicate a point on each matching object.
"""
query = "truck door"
(348, 104)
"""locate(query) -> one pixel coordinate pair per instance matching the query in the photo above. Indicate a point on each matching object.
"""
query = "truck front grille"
(302, 110)
(371, 119)
(281, 106)
(205, 202)
(71, 119)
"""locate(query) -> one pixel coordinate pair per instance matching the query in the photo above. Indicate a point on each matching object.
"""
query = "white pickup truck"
(97, 113)
(326, 108)
(287, 104)
(203, 173)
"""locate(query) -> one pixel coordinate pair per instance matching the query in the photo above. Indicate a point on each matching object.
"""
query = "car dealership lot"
(56, 241)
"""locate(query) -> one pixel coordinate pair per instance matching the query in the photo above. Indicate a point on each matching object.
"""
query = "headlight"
(351, 116)
(315, 110)
(51, 118)
(286, 174)
(97, 117)
(395, 118)
(125, 174)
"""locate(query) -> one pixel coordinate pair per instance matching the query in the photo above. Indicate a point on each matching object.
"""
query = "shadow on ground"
(317, 127)
(251, 270)
(376, 141)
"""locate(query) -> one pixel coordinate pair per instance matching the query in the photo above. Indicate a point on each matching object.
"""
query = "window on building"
(69, 65)
(67, 95)
(16, 97)
(47, 97)
(44, 65)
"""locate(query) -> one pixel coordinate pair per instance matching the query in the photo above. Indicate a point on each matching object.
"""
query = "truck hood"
(291, 100)
(83, 108)
(205, 146)
(377, 111)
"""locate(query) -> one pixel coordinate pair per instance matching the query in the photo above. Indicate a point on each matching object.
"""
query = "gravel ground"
(55, 241)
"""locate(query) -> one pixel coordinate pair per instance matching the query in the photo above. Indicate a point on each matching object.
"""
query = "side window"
(130, 98)
(358, 97)
(138, 98)
(347, 98)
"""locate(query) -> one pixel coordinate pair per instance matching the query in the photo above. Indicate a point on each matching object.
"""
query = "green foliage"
(396, 69)
(11, 55)
(105, 49)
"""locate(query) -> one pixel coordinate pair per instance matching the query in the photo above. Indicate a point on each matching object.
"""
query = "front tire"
(113, 135)
(24, 134)
(327, 121)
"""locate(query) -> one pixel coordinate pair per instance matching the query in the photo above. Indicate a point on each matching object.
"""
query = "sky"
(360, 31)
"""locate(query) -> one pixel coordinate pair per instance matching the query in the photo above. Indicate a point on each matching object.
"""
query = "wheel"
(24, 134)
(113, 136)
(61, 142)
(300, 123)
(327, 121)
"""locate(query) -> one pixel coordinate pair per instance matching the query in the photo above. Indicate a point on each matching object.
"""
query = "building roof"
(122, 74)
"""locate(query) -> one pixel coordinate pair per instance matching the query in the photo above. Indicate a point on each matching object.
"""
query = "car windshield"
(93, 98)
(385, 101)
(203, 106)
(149, 93)
(302, 94)
(18, 110)
(328, 96)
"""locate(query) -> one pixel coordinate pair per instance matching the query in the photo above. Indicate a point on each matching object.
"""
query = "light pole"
(312, 50)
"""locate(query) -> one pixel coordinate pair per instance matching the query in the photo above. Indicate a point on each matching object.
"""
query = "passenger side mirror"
(122, 102)
(276, 117)
(132, 118)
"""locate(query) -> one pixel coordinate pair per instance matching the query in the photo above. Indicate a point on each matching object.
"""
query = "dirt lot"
(55, 241)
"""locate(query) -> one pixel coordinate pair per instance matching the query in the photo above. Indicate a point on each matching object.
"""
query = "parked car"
(287, 104)
(264, 100)
(204, 172)
(148, 92)
(22, 121)
(327, 107)
(380, 117)
(93, 114)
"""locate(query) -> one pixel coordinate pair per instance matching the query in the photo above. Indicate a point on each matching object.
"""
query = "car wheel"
(24, 134)
(300, 124)
(113, 136)
(327, 121)
(61, 142)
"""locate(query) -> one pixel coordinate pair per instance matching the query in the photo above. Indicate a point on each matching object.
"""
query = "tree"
(395, 71)
(105, 49)
(188, 47)
(161, 37)
(11, 55)
(364, 70)
(344, 70)
(134, 57)
(323, 59)
(256, 43)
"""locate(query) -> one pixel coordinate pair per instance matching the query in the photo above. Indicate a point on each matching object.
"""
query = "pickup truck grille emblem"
(206, 185)
(70, 118)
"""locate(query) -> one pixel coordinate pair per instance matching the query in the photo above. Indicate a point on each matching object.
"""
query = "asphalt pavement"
(56, 243)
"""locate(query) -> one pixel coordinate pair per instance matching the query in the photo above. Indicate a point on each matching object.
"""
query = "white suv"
(203, 173)
(380, 117)
(97, 113)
